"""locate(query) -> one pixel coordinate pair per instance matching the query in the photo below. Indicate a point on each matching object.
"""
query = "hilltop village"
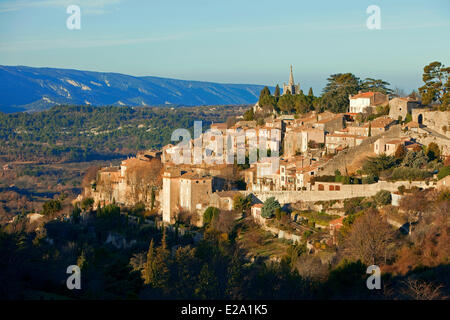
(324, 159)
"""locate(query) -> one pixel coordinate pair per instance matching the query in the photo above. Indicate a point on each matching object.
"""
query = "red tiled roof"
(363, 95)
(379, 123)
(337, 222)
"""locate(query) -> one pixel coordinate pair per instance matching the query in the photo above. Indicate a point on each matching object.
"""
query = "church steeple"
(292, 88)
(291, 78)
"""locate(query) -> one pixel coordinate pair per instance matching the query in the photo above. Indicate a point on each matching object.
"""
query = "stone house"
(400, 107)
(336, 141)
(378, 126)
(305, 175)
(374, 127)
(224, 200)
(331, 123)
(444, 183)
(396, 198)
(335, 225)
(222, 127)
(412, 126)
(184, 191)
(256, 211)
(285, 176)
(245, 124)
(387, 146)
(296, 140)
(366, 101)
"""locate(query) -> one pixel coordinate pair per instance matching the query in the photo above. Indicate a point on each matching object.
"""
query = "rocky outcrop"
(136, 180)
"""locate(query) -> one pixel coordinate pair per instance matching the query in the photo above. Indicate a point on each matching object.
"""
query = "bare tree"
(422, 290)
(370, 238)
(413, 204)
(224, 221)
(187, 217)
(311, 267)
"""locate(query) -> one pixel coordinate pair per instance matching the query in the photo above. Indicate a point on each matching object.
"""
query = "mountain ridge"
(24, 88)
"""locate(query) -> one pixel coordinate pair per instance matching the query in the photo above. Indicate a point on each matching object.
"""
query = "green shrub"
(433, 151)
(369, 179)
(404, 173)
(443, 172)
(408, 117)
(269, 207)
(51, 206)
(210, 214)
(382, 197)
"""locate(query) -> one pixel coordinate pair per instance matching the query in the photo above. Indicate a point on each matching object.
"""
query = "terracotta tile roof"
(328, 119)
(395, 141)
(194, 176)
(342, 135)
(337, 222)
(363, 95)
(110, 169)
(309, 168)
(219, 125)
(379, 123)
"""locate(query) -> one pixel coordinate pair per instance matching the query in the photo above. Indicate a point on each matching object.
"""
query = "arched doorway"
(420, 119)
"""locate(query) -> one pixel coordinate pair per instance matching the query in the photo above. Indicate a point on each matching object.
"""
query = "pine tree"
(147, 272)
(152, 199)
(207, 284)
(277, 91)
(233, 289)
(264, 92)
(310, 92)
(249, 115)
(164, 239)
(160, 267)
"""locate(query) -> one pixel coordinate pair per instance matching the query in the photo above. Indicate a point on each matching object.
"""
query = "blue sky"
(245, 41)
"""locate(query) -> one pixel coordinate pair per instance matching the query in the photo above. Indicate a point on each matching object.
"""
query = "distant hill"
(32, 89)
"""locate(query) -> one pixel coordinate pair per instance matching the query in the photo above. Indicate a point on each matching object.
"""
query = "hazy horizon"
(253, 42)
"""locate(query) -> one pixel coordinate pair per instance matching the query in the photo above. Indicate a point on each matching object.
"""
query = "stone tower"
(292, 87)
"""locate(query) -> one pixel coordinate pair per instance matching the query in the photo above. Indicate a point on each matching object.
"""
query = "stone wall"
(346, 191)
(283, 234)
(345, 157)
(435, 120)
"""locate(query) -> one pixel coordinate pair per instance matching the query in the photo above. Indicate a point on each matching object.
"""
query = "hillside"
(31, 89)
(85, 133)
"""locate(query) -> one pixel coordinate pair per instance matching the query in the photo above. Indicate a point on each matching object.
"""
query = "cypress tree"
(277, 91)
(148, 268)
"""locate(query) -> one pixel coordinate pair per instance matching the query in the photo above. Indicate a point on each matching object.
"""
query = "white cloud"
(88, 6)
(31, 45)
